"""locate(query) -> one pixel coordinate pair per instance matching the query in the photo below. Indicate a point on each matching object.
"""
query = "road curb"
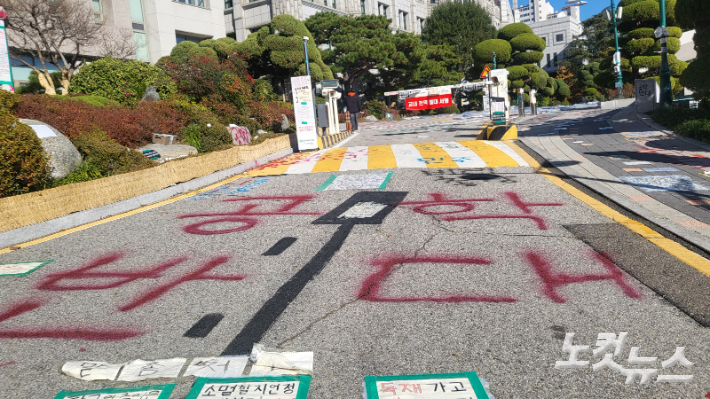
(62, 224)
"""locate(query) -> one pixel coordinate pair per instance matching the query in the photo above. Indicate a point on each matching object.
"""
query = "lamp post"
(617, 54)
(305, 50)
(662, 33)
(495, 65)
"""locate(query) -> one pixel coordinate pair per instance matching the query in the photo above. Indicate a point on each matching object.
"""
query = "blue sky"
(593, 6)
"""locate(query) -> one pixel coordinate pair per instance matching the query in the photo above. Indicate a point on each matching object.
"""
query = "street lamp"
(495, 65)
(613, 14)
(305, 50)
(662, 33)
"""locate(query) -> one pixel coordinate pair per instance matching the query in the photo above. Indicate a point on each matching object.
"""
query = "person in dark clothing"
(354, 106)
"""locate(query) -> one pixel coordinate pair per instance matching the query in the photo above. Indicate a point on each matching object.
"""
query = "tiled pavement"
(636, 164)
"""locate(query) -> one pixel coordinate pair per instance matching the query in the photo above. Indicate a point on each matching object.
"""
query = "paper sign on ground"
(281, 363)
(217, 367)
(139, 370)
(148, 392)
(22, 268)
(426, 386)
(363, 210)
(251, 387)
(43, 131)
(92, 371)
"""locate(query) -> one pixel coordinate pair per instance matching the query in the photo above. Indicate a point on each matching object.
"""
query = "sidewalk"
(635, 163)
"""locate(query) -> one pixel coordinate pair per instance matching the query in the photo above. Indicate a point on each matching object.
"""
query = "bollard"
(348, 126)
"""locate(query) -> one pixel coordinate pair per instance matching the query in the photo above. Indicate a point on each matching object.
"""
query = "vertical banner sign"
(498, 110)
(306, 131)
(5, 69)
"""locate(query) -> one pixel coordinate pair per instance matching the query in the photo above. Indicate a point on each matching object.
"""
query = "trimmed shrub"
(527, 41)
(517, 72)
(562, 88)
(103, 156)
(640, 46)
(528, 57)
(642, 33)
(203, 130)
(675, 31)
(121, 81)
(263, 91)
(508, 32)
(642, 13)
(483, 52)
(96, 101)
(24, 165)
(8, 100)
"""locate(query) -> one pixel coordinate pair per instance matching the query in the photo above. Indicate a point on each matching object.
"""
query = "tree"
(519, 49)
(586, 52)
(461, 25)
(640, 49)
(363, 43)
(60, 33)
(277, 50)
(694, 14)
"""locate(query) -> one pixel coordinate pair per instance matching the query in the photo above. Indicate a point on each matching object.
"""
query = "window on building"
(362, 7)
(228, 4)
(136, 11)
(554, 60)
(382, 9)
(548, 61)
(196, 3)
(141, 45)
(420, 24)
(182, 37)
(560, 37)
(96, 5)
(403, 17)
(334, 4)
(544, 39)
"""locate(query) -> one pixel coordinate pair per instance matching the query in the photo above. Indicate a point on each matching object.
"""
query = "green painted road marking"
(148, 392)
(21, 268)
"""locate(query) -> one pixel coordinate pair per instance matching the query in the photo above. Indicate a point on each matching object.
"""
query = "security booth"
(328, 113)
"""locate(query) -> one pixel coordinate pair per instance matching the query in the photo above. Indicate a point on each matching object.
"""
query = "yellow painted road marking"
(435, 156)
(330, 161)
(115, 217)
(492, 156)
(685, 255)
(381, 157)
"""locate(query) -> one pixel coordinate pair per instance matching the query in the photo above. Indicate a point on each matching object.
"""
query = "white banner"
(5, 72)
(306, 128)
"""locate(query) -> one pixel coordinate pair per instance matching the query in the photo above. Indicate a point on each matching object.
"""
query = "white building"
(558, 29)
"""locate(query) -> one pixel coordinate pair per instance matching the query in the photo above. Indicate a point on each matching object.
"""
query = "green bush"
(698, 129)
(483, 52)
(263, 91)
(528, 57)
(640, 46)
(121, 81)
(672, 43)
(643, 12)
(103, 157)
(24, 165)
(642, 33)
(451, 109)
(203, 130)
(527, 41)
(508, 32)
(674, 31)
(96, 101)
(562, 88)
(8, 100)
(377, 108)
(672, 117)
(517, 72)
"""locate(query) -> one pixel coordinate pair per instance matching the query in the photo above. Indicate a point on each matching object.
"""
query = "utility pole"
(662, 33)
(617, 55)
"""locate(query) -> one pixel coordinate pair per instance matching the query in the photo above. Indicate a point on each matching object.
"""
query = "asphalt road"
(489, 281)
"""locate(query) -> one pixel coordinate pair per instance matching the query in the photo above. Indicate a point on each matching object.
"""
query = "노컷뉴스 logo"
(609, 347)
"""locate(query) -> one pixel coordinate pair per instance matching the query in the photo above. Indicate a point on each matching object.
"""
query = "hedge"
(640, 46)
(672, 43)
(642, 33)
(517, 72)
(527, 41)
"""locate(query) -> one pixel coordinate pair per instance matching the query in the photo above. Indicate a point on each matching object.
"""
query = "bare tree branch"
(63, 33)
